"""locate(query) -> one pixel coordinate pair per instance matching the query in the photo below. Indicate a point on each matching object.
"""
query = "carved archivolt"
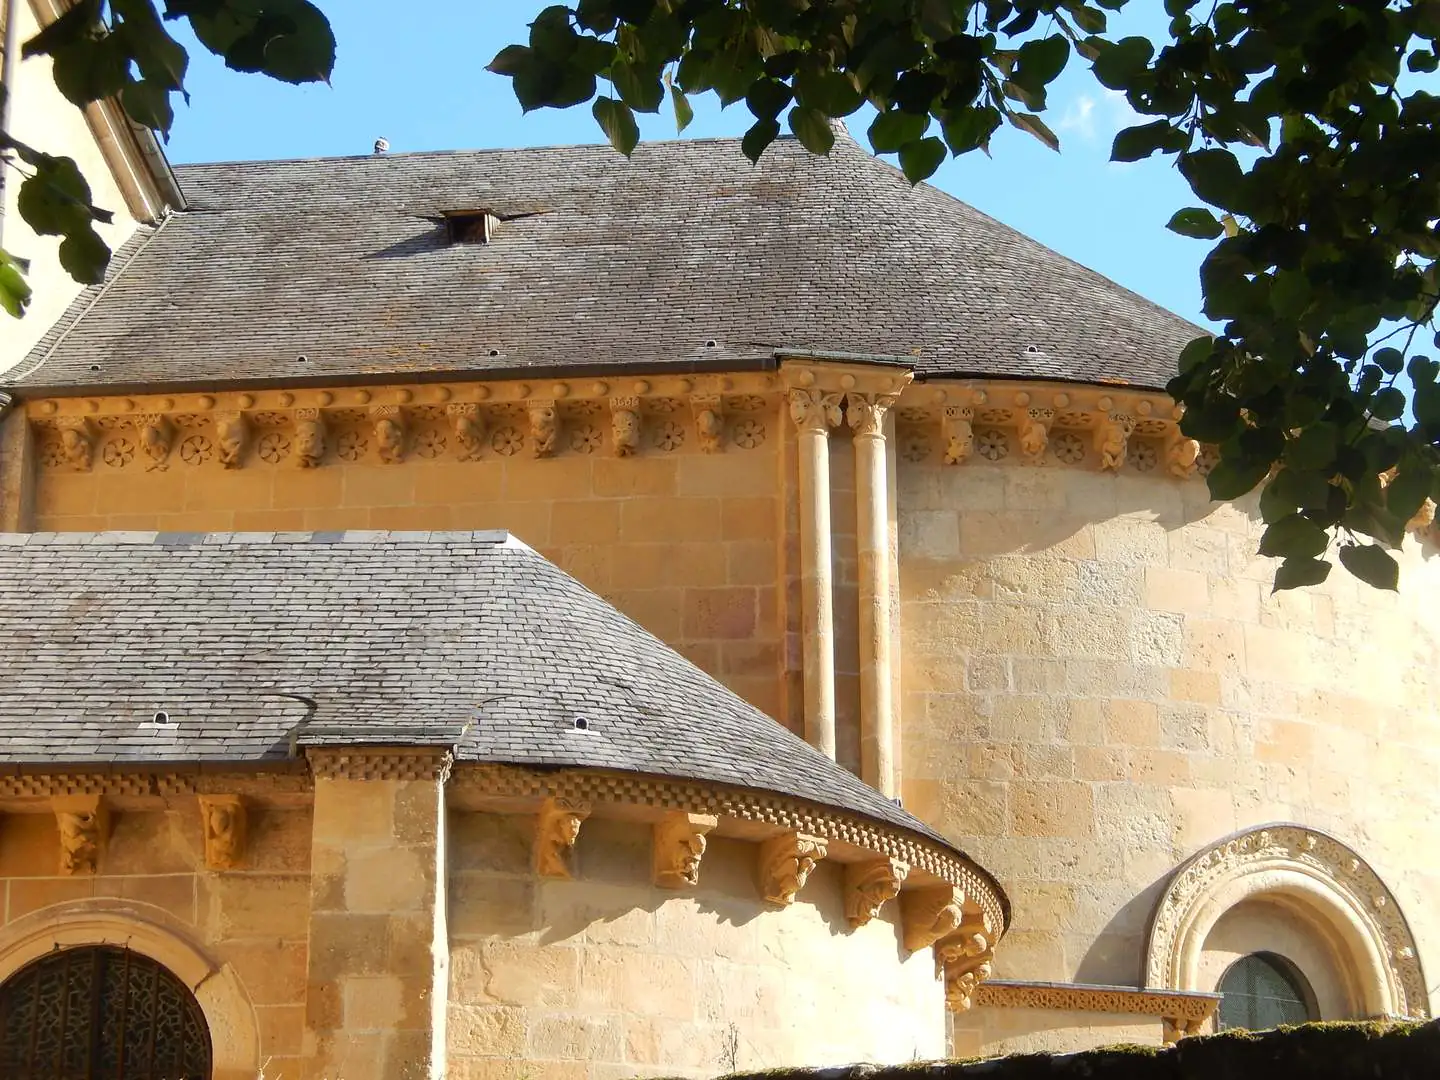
(84, 825)
(1312, 874)
(223, 820)
(556, 830)
(870, 885)
(964, 960)
(786, 862)
(678, 846)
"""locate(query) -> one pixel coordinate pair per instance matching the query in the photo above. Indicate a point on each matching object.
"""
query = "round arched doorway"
(99, 1012)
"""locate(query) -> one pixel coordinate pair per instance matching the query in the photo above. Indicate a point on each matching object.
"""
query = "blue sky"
(421, 83)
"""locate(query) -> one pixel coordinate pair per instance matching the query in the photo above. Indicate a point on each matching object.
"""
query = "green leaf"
(148, 104)
(1122, 61)
(767, 98)
(1294, 537)
(637, 87)
(761, 134)
(1391, 361)
(1233, 477)
(55, 200)
(1089, 20)
(289, 40)
(969, 127)
(1313, 449)
(618, 123)
(892, 130)
(1408, 490)
(1197, 222)
(1371, 564)
(1388, 404)
(14, 290)
(683, 112)
(1035, 126)
(1041, 61)
(812, 128)
(84, 256)
(1214, 175)
(511, 60)
(1136, 143)
(1298, 573)
(921, 157)
(79, 22)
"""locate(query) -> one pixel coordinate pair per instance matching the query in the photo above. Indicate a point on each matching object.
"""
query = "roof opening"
(470, 226)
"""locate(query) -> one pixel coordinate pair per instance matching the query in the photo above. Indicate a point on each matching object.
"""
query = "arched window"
(101, 1013)
(1263, 991)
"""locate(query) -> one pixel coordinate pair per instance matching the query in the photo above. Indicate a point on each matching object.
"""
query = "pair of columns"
(815, 400)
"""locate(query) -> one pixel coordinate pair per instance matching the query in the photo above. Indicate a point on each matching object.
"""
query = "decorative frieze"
(786, 862)
(556, 829)
(678, 845)
(224, 822)
(83, 822)
(927, 915)
(380, 763)
(869, 886)
(964, 960)
(1182, 1012)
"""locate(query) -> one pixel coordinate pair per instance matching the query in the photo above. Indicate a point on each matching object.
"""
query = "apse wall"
(1098, 683)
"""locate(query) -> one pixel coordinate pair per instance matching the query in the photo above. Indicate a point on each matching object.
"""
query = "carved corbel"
(956, 427)
(1175, 1028)
(223, 819)
(156, 435)
(678, 846)
(544, 427)
(1424, 518)
(309, 438)
(927, 915)
(232, 435)
(77, 441)
(1182, 455)
(815, 410)
(865, 413)
(389, 433)
(709, 421)
(468, 424)
(625, 425)
(1112, 437)
(84, 824)
(785, 865)
(556, 831)
(964, 960)
(1035, 433)
(869, 885)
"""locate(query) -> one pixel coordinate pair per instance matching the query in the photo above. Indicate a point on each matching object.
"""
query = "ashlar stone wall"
(603, 976)
(1098, 682)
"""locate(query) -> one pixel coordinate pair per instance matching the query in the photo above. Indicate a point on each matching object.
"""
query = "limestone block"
(1052, 808)
(488, 1031)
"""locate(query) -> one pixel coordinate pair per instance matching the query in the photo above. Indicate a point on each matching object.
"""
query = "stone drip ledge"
(1183, 1011)
(1375, 1050)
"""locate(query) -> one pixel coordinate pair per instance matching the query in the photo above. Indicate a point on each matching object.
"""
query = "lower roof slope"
(684, 254)
(255, 644)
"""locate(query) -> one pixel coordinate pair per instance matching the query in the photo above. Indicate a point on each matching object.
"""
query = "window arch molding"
(1312, 874)
(152, 932)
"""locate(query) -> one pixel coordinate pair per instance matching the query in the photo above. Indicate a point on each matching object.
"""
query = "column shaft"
(814, 413)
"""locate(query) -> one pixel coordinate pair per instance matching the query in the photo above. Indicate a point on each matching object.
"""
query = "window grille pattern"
(1264, 991)
(100, 1013)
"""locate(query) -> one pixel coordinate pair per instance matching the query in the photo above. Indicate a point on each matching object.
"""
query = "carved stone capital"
(964, 960)
(785, 865)
(544, 427)
(869, 885)
(927, 915)
(1112, 438)
(815, 410)
(709, 421)
(309, 438)
(956, 427)
(1034, 431)
(223, 819)
(625, 425)
(468, 424)
(556, 830)
(232, 436)
(865, 413)
(389, 421)
(77, 441)
(678, 846)
(156, 435)
(84, 824)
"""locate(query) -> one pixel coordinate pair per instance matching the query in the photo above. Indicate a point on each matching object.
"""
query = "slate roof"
(599, 263)
(470, 640)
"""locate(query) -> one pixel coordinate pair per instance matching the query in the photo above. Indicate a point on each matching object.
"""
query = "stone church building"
(533, 614)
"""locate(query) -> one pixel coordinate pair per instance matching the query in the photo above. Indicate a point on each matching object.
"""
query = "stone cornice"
(136, 782)
(380, 763)
(837, 377)
(598, 789)
(1191, 1007)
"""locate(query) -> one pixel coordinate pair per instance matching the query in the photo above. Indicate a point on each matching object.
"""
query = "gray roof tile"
(600, 262)
(475, 642)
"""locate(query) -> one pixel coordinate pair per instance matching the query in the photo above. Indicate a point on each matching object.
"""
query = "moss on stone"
(1370, 1050)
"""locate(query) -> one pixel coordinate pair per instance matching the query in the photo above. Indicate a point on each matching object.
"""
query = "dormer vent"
(471, 226)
